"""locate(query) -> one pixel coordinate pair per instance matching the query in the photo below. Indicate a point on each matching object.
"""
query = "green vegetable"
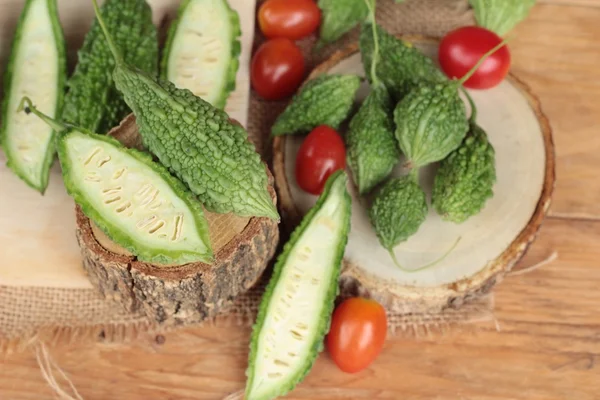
(500, 16)
(402, 67)
(92, 101)
(465, 179)
(431, 120)
(196, 141)
(324, 100)
(132, 199)
(340, 16)
(398, 210)
(37, 68)
(296, 308)
(202, 50)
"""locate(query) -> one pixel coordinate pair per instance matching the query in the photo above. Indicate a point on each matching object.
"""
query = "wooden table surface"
(546, 344)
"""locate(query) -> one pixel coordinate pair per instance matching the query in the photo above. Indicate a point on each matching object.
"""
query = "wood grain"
(548, 343)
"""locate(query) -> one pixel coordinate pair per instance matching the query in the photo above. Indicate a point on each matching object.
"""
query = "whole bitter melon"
(92, 101)
(37, 68)
(203, 49)
(131, 198)
(465, 179)
(196, 141)
(295, 310)
(324, 100)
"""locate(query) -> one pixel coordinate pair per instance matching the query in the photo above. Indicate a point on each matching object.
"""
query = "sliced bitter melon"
(36, 69)
(202, 50)
(295, 312)
(131, 198)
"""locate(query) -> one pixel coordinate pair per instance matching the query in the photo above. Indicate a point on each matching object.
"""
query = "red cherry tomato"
(461, 49)
(357, 334)
(277, 69)
(320, 155)
(292, 19)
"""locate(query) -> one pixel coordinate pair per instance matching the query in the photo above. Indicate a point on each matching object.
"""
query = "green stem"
(113, 49)
(27, 105)
(481, 60)
(414, 173)
(431, 264)
(375, 59)
(471, 104)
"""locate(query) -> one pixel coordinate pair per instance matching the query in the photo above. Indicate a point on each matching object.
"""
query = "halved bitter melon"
(202, 50)
(36, 69)
(132, 199)
(295, 312)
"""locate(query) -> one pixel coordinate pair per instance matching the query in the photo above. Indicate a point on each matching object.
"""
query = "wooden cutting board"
(37, 233)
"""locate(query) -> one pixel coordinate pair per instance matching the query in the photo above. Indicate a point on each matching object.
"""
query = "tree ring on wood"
(179, 294)
(370, 272)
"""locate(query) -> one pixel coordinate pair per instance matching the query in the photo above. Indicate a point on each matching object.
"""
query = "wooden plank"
(557, 53)
(546, 348)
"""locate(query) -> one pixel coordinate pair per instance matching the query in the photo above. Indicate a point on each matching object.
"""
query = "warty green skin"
(324, 100)
(401, 66)
(399, 208)
(338, 17)
(465, 179)
(431, 122)
(336, 183)
(92, 101)
(9, 73)
(236, 48)
(371, 147)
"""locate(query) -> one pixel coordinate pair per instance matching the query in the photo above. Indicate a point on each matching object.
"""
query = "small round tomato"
(461, 49)
(277, 69)
(292, 19)
(321, 154)
(357, 334)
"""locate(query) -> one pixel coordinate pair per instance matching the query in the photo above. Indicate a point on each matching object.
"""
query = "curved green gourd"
(196, 141)
(202, 50)
(296, 307)
(92, 101)
(324, 100)
(131, 198)
(36, 67)
(402, 67)
(465, 179)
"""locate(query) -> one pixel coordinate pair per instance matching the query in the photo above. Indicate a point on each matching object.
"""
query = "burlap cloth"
(57, 315)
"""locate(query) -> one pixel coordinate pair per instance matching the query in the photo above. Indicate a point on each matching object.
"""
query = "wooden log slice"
(179, 294)
(490, 242)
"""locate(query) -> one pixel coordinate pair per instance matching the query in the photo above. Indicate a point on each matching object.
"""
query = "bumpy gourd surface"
(202, 50)
(401, 67)
(399, 208)
(296, 308)
(339, 16)
(431, 122)
(92, 101)
(371, 146)
(134, 200)
(465, 179)
(36, 69)
(324, 100)
(199, 144)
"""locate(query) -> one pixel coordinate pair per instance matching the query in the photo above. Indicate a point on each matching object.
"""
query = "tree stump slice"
(491, 242)
(179, 294)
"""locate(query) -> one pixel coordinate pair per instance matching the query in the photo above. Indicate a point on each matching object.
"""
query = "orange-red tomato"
(277, 69)
(292, 19)
(357, 334)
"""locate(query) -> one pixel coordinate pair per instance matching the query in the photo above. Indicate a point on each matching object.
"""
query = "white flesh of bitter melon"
(202, 52)
(299, 305)
(28, 142)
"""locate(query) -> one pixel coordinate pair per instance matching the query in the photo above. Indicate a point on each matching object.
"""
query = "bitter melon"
(202, 50)
(92, 101)
(37, 69)
(131, 198)
(324, 100)
(296, 307)
(339, 17)
(196, 141)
